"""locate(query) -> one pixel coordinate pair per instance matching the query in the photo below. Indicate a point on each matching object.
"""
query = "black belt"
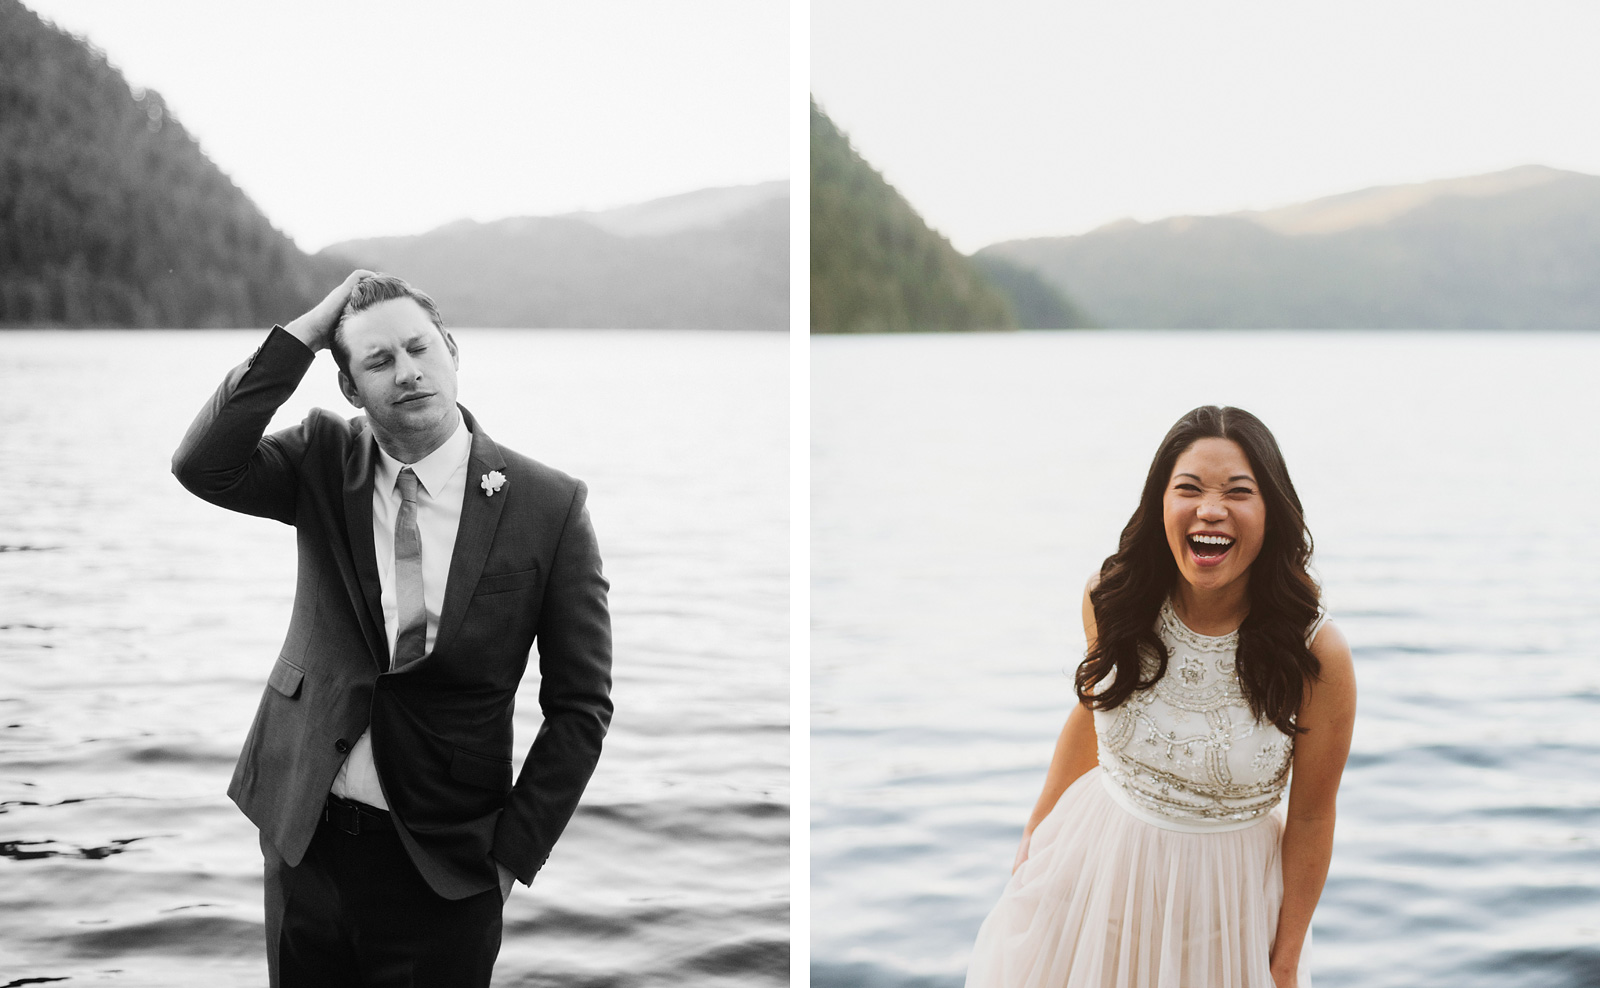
(353, 817)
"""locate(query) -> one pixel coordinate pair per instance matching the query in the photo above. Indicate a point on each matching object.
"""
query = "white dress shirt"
(441, 487)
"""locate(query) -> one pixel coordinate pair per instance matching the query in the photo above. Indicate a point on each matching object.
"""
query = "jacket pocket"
(286, 677)
(504, 582)
(483, 771)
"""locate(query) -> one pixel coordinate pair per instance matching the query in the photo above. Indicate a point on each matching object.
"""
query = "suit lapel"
(480, 517)
(367, 594)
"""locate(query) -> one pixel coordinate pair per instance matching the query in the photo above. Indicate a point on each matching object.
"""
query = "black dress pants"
(355, 912)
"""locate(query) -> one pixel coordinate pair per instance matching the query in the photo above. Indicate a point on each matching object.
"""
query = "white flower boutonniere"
(493, 481)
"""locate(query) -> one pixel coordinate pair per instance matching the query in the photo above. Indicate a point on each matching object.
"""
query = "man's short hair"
(369, 291)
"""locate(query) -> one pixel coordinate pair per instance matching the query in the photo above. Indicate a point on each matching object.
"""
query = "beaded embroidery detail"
(1188, 748)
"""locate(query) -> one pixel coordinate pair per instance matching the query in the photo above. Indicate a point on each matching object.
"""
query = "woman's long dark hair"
(1273, 662)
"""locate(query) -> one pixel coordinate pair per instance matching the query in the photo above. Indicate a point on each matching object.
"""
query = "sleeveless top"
(1187, 754)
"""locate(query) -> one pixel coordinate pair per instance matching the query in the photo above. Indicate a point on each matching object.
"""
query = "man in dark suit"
(431, 560)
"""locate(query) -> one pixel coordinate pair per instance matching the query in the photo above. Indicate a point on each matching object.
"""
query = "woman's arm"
(1328, 715)
(1076, 751)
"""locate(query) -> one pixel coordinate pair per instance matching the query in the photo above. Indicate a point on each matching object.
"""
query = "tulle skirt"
(1106, 900)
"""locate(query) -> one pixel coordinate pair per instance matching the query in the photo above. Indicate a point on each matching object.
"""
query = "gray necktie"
(412, 639)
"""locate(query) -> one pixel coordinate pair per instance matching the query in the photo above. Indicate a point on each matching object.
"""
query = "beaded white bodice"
(1187, 752)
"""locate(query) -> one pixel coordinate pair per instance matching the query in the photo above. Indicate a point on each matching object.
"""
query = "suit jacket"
(525, 569)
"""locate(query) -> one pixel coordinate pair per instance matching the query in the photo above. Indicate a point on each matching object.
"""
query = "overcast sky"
(349, 118)
(1015, 118)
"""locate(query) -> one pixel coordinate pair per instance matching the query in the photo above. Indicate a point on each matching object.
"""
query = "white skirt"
(1106, 900)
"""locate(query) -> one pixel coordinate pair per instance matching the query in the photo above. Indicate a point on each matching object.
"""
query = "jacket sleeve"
(225, 457)
(574, 641)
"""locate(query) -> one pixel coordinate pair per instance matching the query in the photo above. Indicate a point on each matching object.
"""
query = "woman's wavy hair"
(1273, 662)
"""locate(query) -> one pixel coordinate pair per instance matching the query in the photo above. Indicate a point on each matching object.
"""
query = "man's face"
(402, 371)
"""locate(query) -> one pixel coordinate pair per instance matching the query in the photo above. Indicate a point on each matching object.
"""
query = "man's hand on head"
(315, 328)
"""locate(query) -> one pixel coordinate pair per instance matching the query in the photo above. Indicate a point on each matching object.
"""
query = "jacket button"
(341, 746)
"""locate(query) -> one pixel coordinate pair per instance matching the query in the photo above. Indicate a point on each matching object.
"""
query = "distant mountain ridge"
(687, 211)
(1516, 249)
(1383, 203)
(709, 259)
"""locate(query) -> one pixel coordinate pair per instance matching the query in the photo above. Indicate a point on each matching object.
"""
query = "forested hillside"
(1517, 249)
(875, 265)
(112, 215)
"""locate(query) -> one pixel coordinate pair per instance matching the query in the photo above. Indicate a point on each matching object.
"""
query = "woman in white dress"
(1157, 855)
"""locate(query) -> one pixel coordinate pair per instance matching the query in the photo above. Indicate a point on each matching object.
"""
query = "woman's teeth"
(1210, 545)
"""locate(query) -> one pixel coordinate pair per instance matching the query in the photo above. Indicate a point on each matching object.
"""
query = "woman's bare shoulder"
(1333, 655)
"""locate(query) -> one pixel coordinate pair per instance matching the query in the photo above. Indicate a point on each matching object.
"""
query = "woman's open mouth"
(1209, 548)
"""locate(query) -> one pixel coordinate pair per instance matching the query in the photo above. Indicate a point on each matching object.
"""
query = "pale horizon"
(366, 119)
(1013, 119)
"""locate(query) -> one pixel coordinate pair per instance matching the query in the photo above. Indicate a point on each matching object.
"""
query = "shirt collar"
(432, 470)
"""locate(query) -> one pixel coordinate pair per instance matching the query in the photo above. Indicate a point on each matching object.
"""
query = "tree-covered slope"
(1511, 250)
(875, 265)
(112, 215)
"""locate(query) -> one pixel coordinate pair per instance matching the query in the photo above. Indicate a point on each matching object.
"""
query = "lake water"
(138, 624)
(963, 489)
